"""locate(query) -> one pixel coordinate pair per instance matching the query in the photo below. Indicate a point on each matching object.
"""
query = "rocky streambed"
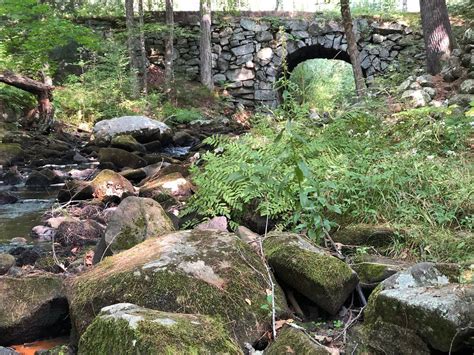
(96, 251)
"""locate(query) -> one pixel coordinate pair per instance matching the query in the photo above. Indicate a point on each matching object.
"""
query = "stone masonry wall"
(248, 51)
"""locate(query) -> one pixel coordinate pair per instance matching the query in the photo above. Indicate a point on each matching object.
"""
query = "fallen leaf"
(248, 301)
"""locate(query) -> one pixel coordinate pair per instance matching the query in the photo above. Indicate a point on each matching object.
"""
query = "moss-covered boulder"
(310, 270)
(128, 143)
(121, 158)
(199, 272)
(125, 328)
(365, 235)
(420, 301)
(134, 220)
(106, 184)
(32, 307)
(294, 341)
(373, 269)
(10, 153)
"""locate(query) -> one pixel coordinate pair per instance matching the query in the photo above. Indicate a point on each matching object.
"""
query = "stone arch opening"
(315, 52)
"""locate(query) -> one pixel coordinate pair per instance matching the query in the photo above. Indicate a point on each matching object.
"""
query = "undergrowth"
(412, 170)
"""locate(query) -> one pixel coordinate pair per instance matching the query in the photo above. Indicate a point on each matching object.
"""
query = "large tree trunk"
(169, 49)
(205, 44)
(352, 49)
(142, 70)
(439, 40)
(42, 90)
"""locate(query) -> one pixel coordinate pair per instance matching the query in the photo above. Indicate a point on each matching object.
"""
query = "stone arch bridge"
(248, 50)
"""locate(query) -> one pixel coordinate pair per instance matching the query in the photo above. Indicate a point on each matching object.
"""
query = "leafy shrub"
(180, 115)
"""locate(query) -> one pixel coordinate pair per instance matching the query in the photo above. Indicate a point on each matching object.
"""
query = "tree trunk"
(133, 47)
(352, 49)
(205, 44)
(169, 49)
(405, 6)
(43, 92)
(439, 39)
(142, 70)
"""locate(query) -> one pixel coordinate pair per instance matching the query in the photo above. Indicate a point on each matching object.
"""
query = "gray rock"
(430, 91)
(467, 86)
(136, 126)
(425, 80)
(219, 78)
(265, 95)
(243, 50)
(316, 274)
(264, 36)
(121, 158)
(7, 351)
(252, 25)
(421, 300)
(378, 38)
(296, 24)
(417, 98)
(240, 74)
(7, 198)
(216, 223)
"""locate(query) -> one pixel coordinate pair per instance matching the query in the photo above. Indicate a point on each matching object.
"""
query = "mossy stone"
(125, 328)
(365, 235)
(200, 272)
(293, 341)
(6, 262)
(121, 158)
(31, 307)
(128, 143)
(373, 269)
(310, 270)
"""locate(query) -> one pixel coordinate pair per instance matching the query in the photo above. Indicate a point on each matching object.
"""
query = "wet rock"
(32, 307)
(18, 241)
(12, 177)
(294, 341)
(310, 270)
(42, 179)
(139, 127)
(133, 221)
(124, 326)
(420, 302)
(121, 158)
(216, 223)
(183, 138)
(6, 262)
(86, 232)
(10, 153)
(173, 184)
(154, 146)
(78, 158)
(205, 272)
(6, 198)
(128, 143)
(55, 222)
(365, 235)
(134, 174)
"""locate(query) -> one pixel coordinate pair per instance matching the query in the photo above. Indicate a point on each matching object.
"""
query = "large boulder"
(139, 127)
(6, 262)
(310, 270)
(204, 272)
(135, 220)
(365, 235)
(421, 305)
(121, 158)
(32, 307)
(106, 184)
(124, 326)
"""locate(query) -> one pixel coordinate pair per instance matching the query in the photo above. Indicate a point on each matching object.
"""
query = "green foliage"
(411, 170)
(31, 30)
(324, 84)
(180, 115)
(103, 91)
(16, 99)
